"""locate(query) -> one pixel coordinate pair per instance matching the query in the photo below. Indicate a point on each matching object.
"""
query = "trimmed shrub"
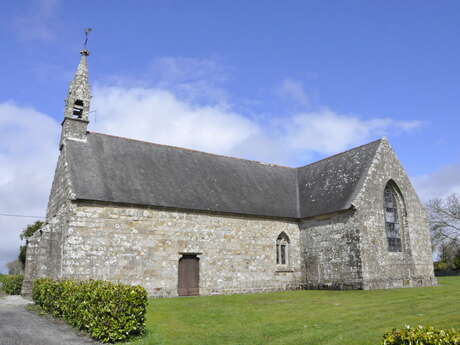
(108, 312)
(421, 336)
(12, 284)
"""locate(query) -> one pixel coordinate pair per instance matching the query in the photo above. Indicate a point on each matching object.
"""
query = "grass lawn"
(300, 317)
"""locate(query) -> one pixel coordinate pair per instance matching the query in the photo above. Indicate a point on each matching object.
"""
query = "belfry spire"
(79, 95)
(77, 103)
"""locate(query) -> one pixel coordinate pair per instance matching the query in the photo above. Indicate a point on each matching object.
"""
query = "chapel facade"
(181, 222)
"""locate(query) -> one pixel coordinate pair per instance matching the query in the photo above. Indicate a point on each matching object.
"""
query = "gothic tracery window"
(392, 219)
(282, 249)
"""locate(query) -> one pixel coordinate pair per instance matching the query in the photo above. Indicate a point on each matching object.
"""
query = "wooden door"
(189, 276)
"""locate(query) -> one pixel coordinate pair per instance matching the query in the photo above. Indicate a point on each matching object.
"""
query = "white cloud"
(438, 184)
(159, 116)
(409, 125)
(179, 70)
(38, 23)
(216, 128)
(325, 131)
(28, 154)
(294, 90)
(29, 145)
(194, 80)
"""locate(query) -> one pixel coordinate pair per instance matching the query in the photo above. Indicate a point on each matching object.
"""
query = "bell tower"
(77, 103)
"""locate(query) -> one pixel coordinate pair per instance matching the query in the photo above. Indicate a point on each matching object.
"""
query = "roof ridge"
(340, 153)
(362, 180)
(193, 150)
(242, 159)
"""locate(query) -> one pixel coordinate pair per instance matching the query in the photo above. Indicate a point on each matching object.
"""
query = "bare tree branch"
(444, 219)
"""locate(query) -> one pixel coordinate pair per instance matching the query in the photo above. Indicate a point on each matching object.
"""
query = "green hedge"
(441, 266)
(108, 312)
(2, 280)
(421, 336)
(11, 284)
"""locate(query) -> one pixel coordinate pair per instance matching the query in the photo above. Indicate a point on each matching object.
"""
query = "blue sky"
(280, 81)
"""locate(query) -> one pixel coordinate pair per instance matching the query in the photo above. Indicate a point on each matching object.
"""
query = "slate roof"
(331, 184)
(120, 170)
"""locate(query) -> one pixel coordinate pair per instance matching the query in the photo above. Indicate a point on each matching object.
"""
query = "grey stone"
(126, 211)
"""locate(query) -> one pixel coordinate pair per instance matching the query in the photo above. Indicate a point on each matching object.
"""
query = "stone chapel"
(181, 222)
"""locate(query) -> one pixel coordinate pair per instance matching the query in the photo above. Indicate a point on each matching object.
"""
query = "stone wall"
(381, 268)
(143, 246)
(330, 248)
(44, 250)
(73, 128)
(61, 189)
(350, 250)
(37, 250)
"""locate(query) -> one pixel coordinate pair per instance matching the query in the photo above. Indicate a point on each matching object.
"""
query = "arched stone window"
(282, 249)
(394, 210)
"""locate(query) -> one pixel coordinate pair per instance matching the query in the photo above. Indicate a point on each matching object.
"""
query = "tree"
(450, 255)
(31, 229)
(444, 218)
(15, 267)
(26, 233)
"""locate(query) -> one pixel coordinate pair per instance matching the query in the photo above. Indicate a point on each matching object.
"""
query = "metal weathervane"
(87, 31)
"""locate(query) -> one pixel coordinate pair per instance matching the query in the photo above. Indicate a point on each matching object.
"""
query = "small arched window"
(392, 217)
(282, 249)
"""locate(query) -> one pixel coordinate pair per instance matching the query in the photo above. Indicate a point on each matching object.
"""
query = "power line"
(20, 216)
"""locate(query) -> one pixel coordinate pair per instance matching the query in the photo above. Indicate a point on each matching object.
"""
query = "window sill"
(280, 269)
(396, 253)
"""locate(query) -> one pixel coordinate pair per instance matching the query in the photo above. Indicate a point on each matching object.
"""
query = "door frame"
(190, 255)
